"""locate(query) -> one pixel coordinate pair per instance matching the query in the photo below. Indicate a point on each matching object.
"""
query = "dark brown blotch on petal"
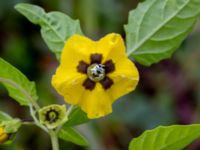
(96, 58)
(82, 67)
(109, 66)
(89, 84)
(106, 83)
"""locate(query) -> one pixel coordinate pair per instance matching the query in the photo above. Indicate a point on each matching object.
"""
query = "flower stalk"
(54, 140)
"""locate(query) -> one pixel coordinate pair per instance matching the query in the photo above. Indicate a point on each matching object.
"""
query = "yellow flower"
(3, 135)
(93, 74)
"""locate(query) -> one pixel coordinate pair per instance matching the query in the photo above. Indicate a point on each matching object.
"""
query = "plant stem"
(54, 140)
(28, 123)
(36, 120)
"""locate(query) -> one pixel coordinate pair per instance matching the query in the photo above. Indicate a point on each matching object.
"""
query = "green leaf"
(174, 137)
(18, 86)
(4, 116)
(12, 126)
(56, 27)
(70, 134)
(156, 28)
(76, 117)
(33, 13)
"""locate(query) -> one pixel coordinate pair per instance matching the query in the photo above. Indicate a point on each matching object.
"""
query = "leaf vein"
(157, 29)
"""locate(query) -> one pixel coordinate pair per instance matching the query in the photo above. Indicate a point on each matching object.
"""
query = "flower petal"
(77, 48)
(112, 47)
(109, 66)
(96, 103)
(95, 58)
(82, 67)
(89, 84)
(3, 135)
(95, 98)
(106, 83)
(69, 85)
(69, 76)
(125, 79)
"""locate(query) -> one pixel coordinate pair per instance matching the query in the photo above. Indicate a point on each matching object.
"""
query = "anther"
(96, 72)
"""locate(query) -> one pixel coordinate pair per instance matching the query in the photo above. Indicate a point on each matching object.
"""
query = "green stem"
(54, 140)
(35, 119)
(28, 123)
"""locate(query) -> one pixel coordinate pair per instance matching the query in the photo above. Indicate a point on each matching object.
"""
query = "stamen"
(96, 72)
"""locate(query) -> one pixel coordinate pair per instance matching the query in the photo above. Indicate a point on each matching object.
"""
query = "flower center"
(96, 72)
(52, 115)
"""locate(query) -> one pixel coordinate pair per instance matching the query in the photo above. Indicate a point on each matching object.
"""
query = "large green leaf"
(56, 27)
(76, 117)
(18, 86)
(174, 137)
(156, 28)
(70, 134)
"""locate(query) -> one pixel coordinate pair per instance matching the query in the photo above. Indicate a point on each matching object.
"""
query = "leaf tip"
(18, 6)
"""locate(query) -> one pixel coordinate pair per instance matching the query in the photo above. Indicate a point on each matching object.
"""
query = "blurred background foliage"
(168, 92)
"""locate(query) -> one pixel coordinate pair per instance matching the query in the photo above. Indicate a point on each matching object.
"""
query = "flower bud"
(3, 135)
(53, 115)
